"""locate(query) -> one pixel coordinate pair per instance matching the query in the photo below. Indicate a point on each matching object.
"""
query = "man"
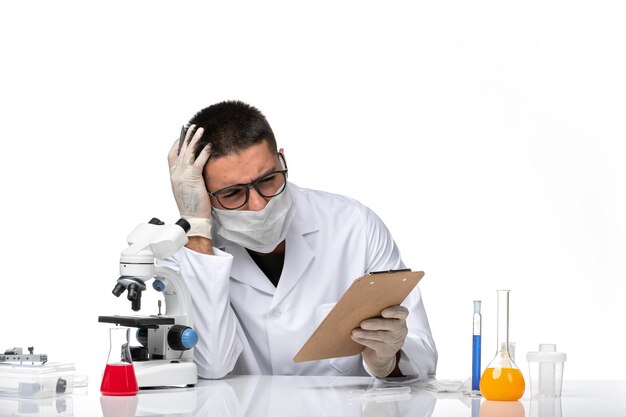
(266, 258)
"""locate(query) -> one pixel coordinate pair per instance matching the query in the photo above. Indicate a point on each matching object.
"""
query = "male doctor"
(266, 259)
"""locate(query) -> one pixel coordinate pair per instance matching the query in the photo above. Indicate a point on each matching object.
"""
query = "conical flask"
(502, 379)
(119, 375)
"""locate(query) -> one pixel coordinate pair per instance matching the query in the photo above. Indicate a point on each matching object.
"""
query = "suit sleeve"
(418, 356)
(207, 278)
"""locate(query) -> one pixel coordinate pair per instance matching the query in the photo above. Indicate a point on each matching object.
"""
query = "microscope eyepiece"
(184, 224)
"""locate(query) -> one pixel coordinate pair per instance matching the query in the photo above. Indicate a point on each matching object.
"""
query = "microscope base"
(164, 373)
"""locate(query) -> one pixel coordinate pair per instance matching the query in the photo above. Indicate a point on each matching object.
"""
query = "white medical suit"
(247, 326)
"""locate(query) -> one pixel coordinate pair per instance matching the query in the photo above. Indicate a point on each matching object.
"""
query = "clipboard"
(366, 298)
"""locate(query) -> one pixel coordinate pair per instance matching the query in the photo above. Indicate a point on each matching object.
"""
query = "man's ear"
(281, 151)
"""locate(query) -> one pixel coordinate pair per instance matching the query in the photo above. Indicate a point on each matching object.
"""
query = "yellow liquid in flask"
(502, 384)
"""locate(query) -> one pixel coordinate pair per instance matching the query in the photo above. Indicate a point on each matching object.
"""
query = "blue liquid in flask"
(476, 363)
(476, 351)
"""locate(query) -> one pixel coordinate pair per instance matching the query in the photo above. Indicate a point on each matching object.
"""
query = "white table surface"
(278, 396)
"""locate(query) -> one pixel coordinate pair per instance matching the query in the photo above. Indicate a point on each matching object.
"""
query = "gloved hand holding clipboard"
(365, 299)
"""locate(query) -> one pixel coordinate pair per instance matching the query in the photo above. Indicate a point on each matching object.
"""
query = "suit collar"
(298, 255)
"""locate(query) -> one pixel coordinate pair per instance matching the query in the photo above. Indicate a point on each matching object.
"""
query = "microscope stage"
(150, 322)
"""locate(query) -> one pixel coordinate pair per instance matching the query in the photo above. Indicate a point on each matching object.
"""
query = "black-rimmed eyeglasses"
(268, 186)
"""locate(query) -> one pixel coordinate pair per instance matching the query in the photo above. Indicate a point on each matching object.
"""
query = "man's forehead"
(239, 167)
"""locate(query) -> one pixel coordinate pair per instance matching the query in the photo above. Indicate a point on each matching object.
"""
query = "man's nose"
(256, 202)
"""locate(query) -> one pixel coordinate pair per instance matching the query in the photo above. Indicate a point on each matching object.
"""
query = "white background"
(488, 135)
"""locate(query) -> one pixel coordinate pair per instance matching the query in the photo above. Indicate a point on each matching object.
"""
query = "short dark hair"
(232, 126)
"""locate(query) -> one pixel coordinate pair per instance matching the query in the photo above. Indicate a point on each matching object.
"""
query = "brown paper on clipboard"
(366, 298)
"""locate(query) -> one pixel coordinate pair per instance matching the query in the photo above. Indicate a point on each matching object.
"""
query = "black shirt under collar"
(271, 265)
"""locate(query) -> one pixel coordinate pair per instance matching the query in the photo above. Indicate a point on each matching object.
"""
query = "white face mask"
(260, 231)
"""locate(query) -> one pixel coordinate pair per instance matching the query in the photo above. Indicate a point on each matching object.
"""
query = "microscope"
(165, 354)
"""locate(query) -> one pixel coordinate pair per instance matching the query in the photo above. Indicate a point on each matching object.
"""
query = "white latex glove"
(188, 185)
(382, 337)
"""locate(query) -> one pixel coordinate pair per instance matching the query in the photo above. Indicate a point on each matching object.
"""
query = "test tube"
(476, 351)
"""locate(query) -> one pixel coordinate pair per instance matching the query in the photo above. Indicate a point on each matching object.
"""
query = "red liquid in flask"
(119, 379)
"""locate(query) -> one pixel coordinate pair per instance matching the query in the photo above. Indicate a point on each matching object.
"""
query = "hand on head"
(187, 181)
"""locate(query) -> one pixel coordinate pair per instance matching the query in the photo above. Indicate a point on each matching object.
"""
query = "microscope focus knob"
(158, 285)
(142, 336)
(182, 337)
